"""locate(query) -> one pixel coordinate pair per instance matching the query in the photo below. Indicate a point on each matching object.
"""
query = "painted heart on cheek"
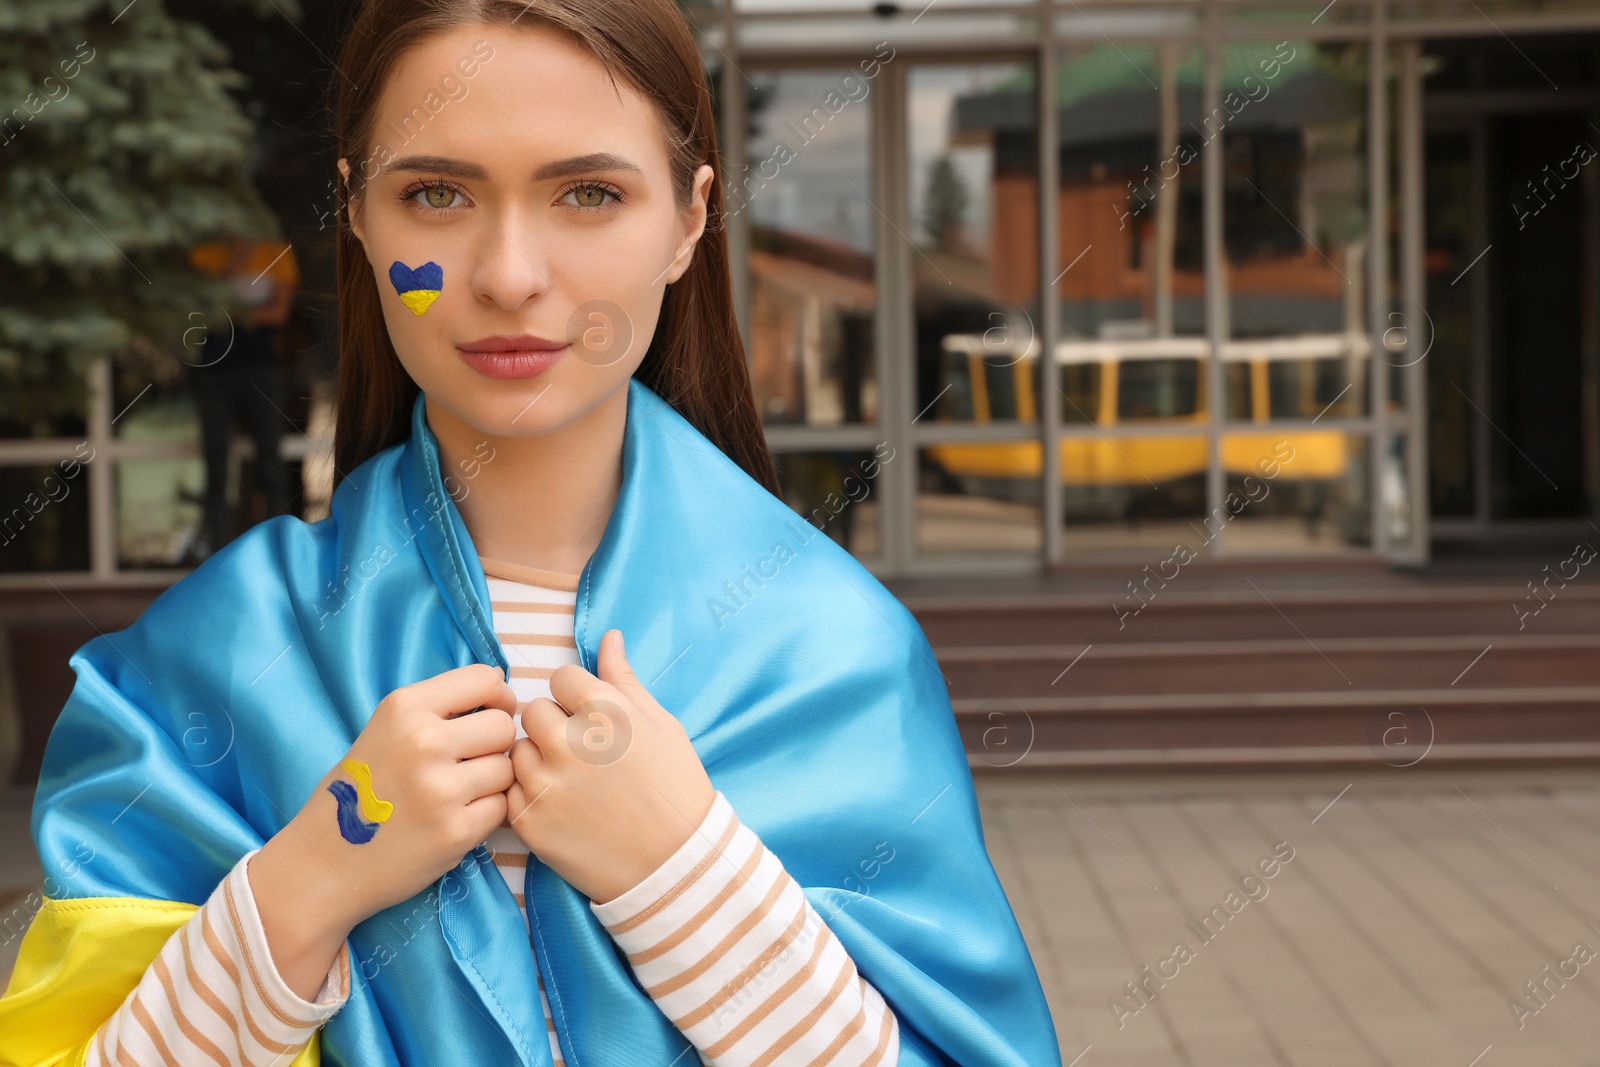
(419, 287)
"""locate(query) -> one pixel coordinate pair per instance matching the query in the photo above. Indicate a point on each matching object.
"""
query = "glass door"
(804, 197)
(971, 251)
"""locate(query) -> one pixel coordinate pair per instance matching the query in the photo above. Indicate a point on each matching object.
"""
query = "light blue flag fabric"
(810, 693)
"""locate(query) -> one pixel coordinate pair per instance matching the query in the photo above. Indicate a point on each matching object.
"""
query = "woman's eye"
(591, 196)
(438, 196)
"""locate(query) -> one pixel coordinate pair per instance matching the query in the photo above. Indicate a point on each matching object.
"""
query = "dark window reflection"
(1158, 388)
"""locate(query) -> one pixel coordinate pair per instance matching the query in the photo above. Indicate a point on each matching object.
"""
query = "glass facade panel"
(1134, 377)
(159, 511)
(1512, 254)
(160, 501)
(1129, 202)
(1246, 14)
(1452, 243)
(807, 190)
(1131, 295)
(838, 493)
(975, 233)
(1131, 493)
(44, 517)
(41, 409)
(1292, 128)
(1131, 288)
(1297, 490)
(858, 30)
(979, 497)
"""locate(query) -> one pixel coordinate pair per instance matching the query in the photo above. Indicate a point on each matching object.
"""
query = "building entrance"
(1513, 171)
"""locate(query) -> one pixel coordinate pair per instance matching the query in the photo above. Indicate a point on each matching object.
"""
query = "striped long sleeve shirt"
(213, 995)
(720, 936)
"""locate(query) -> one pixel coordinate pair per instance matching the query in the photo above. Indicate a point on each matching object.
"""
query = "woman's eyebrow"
(566, 168)
(560, 168)
(450, 168)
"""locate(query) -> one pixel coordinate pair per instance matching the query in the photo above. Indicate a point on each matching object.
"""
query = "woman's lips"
(511, 357)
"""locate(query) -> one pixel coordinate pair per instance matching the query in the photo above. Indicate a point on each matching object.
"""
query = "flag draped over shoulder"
(810, 694)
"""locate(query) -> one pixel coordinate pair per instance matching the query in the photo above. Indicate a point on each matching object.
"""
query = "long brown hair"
(695, 361)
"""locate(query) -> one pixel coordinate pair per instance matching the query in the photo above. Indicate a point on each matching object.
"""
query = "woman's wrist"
(302, 903)
(672, 869)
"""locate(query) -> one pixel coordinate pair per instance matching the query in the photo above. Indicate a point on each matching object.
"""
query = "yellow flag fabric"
(77, 963)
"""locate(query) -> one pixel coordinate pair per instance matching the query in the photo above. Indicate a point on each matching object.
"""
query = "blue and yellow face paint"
(418, 288)
(360, 810)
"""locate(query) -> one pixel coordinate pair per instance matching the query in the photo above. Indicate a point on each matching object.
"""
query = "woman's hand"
(439, 778)
(606, 795)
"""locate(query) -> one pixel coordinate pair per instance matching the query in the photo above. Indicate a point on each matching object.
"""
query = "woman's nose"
(509, 265)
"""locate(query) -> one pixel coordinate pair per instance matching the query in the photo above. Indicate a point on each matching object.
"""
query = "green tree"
(944, 206)
(120, 149)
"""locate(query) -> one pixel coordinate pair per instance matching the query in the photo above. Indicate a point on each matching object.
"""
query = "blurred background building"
(1028, 288)
(1217, 381)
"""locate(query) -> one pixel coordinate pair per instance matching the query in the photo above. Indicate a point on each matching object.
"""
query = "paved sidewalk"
(1413, 911)
(1414, 907)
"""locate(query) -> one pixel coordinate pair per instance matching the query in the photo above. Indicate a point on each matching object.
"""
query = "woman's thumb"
(614, 666)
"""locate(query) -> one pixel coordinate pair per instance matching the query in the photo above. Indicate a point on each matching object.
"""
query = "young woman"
(388, 789)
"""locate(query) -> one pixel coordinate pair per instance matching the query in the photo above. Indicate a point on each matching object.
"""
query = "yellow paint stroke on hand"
(372, 809)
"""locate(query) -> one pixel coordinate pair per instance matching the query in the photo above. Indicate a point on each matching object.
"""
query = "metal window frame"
(108, 451)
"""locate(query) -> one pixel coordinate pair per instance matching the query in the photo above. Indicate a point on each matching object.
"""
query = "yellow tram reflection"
(1160, 384)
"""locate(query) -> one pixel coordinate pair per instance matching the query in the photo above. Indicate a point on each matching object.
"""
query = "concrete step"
(1397, 727)
(1268, 615)
(1292, 665)
(1267, 676)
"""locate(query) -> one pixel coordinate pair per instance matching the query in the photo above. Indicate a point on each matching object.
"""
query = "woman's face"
(506, 174)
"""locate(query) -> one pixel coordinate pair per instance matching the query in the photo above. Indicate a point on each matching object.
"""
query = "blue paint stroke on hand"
(354, 829)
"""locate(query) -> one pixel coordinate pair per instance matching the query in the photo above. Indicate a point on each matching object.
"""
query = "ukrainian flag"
(418, 288)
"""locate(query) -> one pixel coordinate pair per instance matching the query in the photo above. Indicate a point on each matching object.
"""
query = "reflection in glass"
(985, 380)
(853, 6)
(1131, 493)
(1293, 135)
(811, 260)
(1129, 197)
(25, 413)
(837, 492)
(159, 515)
(975, 234)
(1452, 470)
(1131, 293)
(1158, 388)
(979, 497)
(159, 501)
(1296, 490)
(44, 516)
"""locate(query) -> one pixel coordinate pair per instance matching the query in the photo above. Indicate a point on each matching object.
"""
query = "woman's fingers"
(487, 813)
(573, 687)
(530, 782)
(544, 721)
(482, 775)
(616, 671)
(459, 690)
(478, 734)
(527, 762)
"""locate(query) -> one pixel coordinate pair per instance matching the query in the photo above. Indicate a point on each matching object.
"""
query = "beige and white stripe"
(213, 996)
(725, 942)
(533, 614)
(720, 936)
